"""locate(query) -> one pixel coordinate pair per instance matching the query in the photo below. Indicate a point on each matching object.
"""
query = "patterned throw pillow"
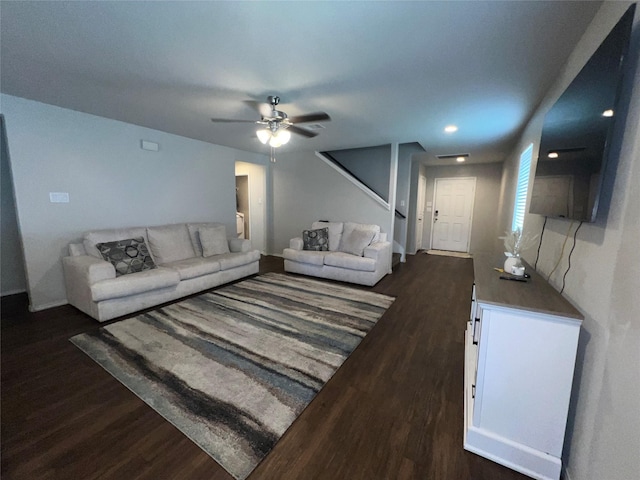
(127, 256)
(317, 240)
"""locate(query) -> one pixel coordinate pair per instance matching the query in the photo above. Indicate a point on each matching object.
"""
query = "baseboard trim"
(46, 306)
(12, 292)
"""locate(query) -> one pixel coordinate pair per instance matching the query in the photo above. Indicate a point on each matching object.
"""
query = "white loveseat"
(343, 261)
(182, 265)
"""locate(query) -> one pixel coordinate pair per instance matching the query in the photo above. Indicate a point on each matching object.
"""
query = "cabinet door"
(525, 372)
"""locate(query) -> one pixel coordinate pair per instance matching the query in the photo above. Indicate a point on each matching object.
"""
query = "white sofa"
(365, 268)
(180, 267)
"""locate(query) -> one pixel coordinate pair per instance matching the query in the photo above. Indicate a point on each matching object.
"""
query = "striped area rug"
(233, 369)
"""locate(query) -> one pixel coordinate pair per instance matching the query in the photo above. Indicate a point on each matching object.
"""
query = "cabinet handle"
(475, 330)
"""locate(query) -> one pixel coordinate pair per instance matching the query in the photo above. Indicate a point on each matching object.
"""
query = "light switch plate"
(58, 197)
(151, 146)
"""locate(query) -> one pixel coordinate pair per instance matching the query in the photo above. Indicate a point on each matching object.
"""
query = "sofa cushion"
(213, 240)
(317, 240)
(355, 241)
(350, 262)
(110, 235)
(233, 260)
(335, 232)
(127, 256)
(194, 267)
(304, 256)
(139, 282)
(170, 243)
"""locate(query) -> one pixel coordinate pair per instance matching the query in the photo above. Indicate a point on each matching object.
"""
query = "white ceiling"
(385, 71)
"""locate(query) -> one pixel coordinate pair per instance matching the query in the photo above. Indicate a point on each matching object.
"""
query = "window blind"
(522, 188)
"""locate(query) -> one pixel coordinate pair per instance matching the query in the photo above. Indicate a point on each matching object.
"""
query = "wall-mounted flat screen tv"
(576, 133)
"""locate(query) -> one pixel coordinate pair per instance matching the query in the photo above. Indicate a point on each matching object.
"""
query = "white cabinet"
(519, 363)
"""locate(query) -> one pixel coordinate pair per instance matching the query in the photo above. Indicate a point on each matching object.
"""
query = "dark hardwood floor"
(394, 410)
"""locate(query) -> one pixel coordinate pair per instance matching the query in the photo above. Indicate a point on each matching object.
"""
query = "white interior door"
(452, 213)
(422, 188)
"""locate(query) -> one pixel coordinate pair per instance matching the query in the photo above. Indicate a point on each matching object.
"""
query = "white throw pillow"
(349, 226)
(355, 241)
(213, 240)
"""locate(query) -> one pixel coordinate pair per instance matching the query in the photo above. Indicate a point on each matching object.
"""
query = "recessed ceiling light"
(607, 113)
(460, 159)
(553, 155)
(450, 128)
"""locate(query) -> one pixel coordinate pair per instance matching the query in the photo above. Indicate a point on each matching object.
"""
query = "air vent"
(452, 155)
(568, 150)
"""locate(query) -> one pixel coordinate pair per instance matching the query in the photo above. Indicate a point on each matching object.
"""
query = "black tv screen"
(576, 133)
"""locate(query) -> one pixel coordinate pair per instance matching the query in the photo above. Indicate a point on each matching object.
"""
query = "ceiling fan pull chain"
(272, 158)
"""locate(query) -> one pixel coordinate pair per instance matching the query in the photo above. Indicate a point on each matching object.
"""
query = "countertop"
(535, 295)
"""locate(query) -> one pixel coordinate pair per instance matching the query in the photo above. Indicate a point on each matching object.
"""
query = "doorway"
(452, 213)
(251, 191)
(243, 215)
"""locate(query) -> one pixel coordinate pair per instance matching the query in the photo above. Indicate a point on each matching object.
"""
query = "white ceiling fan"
(277, 126)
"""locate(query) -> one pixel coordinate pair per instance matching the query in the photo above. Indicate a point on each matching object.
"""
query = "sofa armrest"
(87, 269)
(296, 243)
(378, 251)
(239, 245)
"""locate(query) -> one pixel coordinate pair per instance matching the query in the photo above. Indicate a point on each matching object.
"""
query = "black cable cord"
(535, 267)
(569, 259)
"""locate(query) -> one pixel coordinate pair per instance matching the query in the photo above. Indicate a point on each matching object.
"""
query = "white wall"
(306, 189)
(403, 195)
(12, 277)
(111, 182)
(371, 165)
(603, 431)
(484, 231)
(417, 169)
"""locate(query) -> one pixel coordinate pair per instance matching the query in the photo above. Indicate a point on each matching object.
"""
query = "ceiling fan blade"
(229, 120)
(264, 109)
(310, 117)
(302, 131)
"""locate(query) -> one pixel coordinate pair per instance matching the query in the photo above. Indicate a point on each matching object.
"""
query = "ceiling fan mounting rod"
(273, 100)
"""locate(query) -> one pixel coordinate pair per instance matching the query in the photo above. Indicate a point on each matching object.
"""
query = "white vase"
(511, 262)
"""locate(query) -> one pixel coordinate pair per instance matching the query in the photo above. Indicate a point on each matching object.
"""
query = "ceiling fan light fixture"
(283, 136)
(264, 134)
(275, 138)
(275, 142)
